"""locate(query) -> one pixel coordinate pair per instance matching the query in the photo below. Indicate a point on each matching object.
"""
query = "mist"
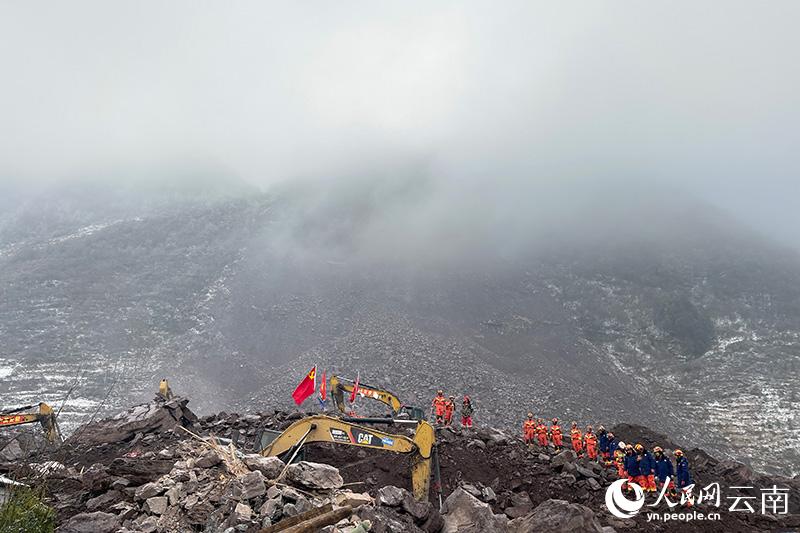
(473, 111)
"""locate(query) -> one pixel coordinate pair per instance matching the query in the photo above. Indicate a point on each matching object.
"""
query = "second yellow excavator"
(45, 416)
(340, 386)
(321, 428)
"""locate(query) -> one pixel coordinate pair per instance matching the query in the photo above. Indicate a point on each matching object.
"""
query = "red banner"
(306, 387)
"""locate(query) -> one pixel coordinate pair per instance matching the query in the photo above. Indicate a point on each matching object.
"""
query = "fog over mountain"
(592, 204)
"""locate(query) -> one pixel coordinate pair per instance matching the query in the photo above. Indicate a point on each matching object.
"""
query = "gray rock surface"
(315, 475)
(464, 513)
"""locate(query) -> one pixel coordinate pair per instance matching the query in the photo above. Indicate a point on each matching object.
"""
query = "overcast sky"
(700, 95)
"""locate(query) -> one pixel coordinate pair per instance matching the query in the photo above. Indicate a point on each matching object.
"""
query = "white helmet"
(621, 444)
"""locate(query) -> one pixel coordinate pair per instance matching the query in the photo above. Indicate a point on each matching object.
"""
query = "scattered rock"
(271, 467)
(148, 490)
(208, 460)
(353, 499)
(557, 516)
(567, 456)
(243, 512)
(97, 522)
(156, 505)
(464, 513)
(271, 510)
(315, 475)
(248, 486)
(585, 472)
(104, 500)
(391, 496)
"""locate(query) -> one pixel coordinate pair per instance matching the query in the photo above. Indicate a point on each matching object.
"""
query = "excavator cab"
(412, 413)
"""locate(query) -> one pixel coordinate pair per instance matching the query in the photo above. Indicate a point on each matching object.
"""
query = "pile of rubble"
(206, 489)
(158, 468)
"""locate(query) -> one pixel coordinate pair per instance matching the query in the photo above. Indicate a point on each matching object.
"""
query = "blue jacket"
(612, 446)
(632, 465)
(682, 476)
(602, 441)
(647, 464)
(663, 468)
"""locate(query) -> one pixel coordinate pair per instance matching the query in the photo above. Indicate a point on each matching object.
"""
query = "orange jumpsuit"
(438, 405)
(528, 431)
(577, 440)
(541, 433)
(591, 446)
(555, 433)
(619, 462)
(449, 408)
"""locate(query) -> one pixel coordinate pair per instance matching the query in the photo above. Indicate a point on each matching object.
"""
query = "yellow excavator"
(340, 386)
(45, 416)
(321, 428)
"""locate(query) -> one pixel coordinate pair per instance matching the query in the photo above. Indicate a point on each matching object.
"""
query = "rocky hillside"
(671, 316)
(139, 471)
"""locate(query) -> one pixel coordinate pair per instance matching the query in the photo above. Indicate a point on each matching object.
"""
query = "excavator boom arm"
(327, 429)
(46, 417)
(320, 428)
(340, 386)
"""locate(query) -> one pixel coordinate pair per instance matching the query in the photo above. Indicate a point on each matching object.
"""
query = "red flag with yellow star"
(306, 387)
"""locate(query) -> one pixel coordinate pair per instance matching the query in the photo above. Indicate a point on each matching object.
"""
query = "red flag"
(306, 387)
(323, 388)
(355, 389)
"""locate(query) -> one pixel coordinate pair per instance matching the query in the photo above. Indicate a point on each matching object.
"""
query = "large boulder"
(315, 475)
(557, 516)
(11, 452)
(464, 513)
(156, 505)
(154, 417)
(494, 436)
(248, 486)
(97, 522)
(392, 496)
(567, 456)
(271, 467)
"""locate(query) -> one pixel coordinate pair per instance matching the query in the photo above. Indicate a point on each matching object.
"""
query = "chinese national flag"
(355, 390)
(323, 388)
(306, 387)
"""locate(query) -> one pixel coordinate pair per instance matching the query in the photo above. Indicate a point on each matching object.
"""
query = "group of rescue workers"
(444, 409)
(633, 462)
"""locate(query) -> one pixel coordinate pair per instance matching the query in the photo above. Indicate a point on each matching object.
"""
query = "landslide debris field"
(140, 471)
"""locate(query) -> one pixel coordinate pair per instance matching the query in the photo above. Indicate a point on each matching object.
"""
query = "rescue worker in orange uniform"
(529, 429)
(577, 439)
(449, 409)
(438, 406)
(591, 443)
(541, 433)
(555, 434)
